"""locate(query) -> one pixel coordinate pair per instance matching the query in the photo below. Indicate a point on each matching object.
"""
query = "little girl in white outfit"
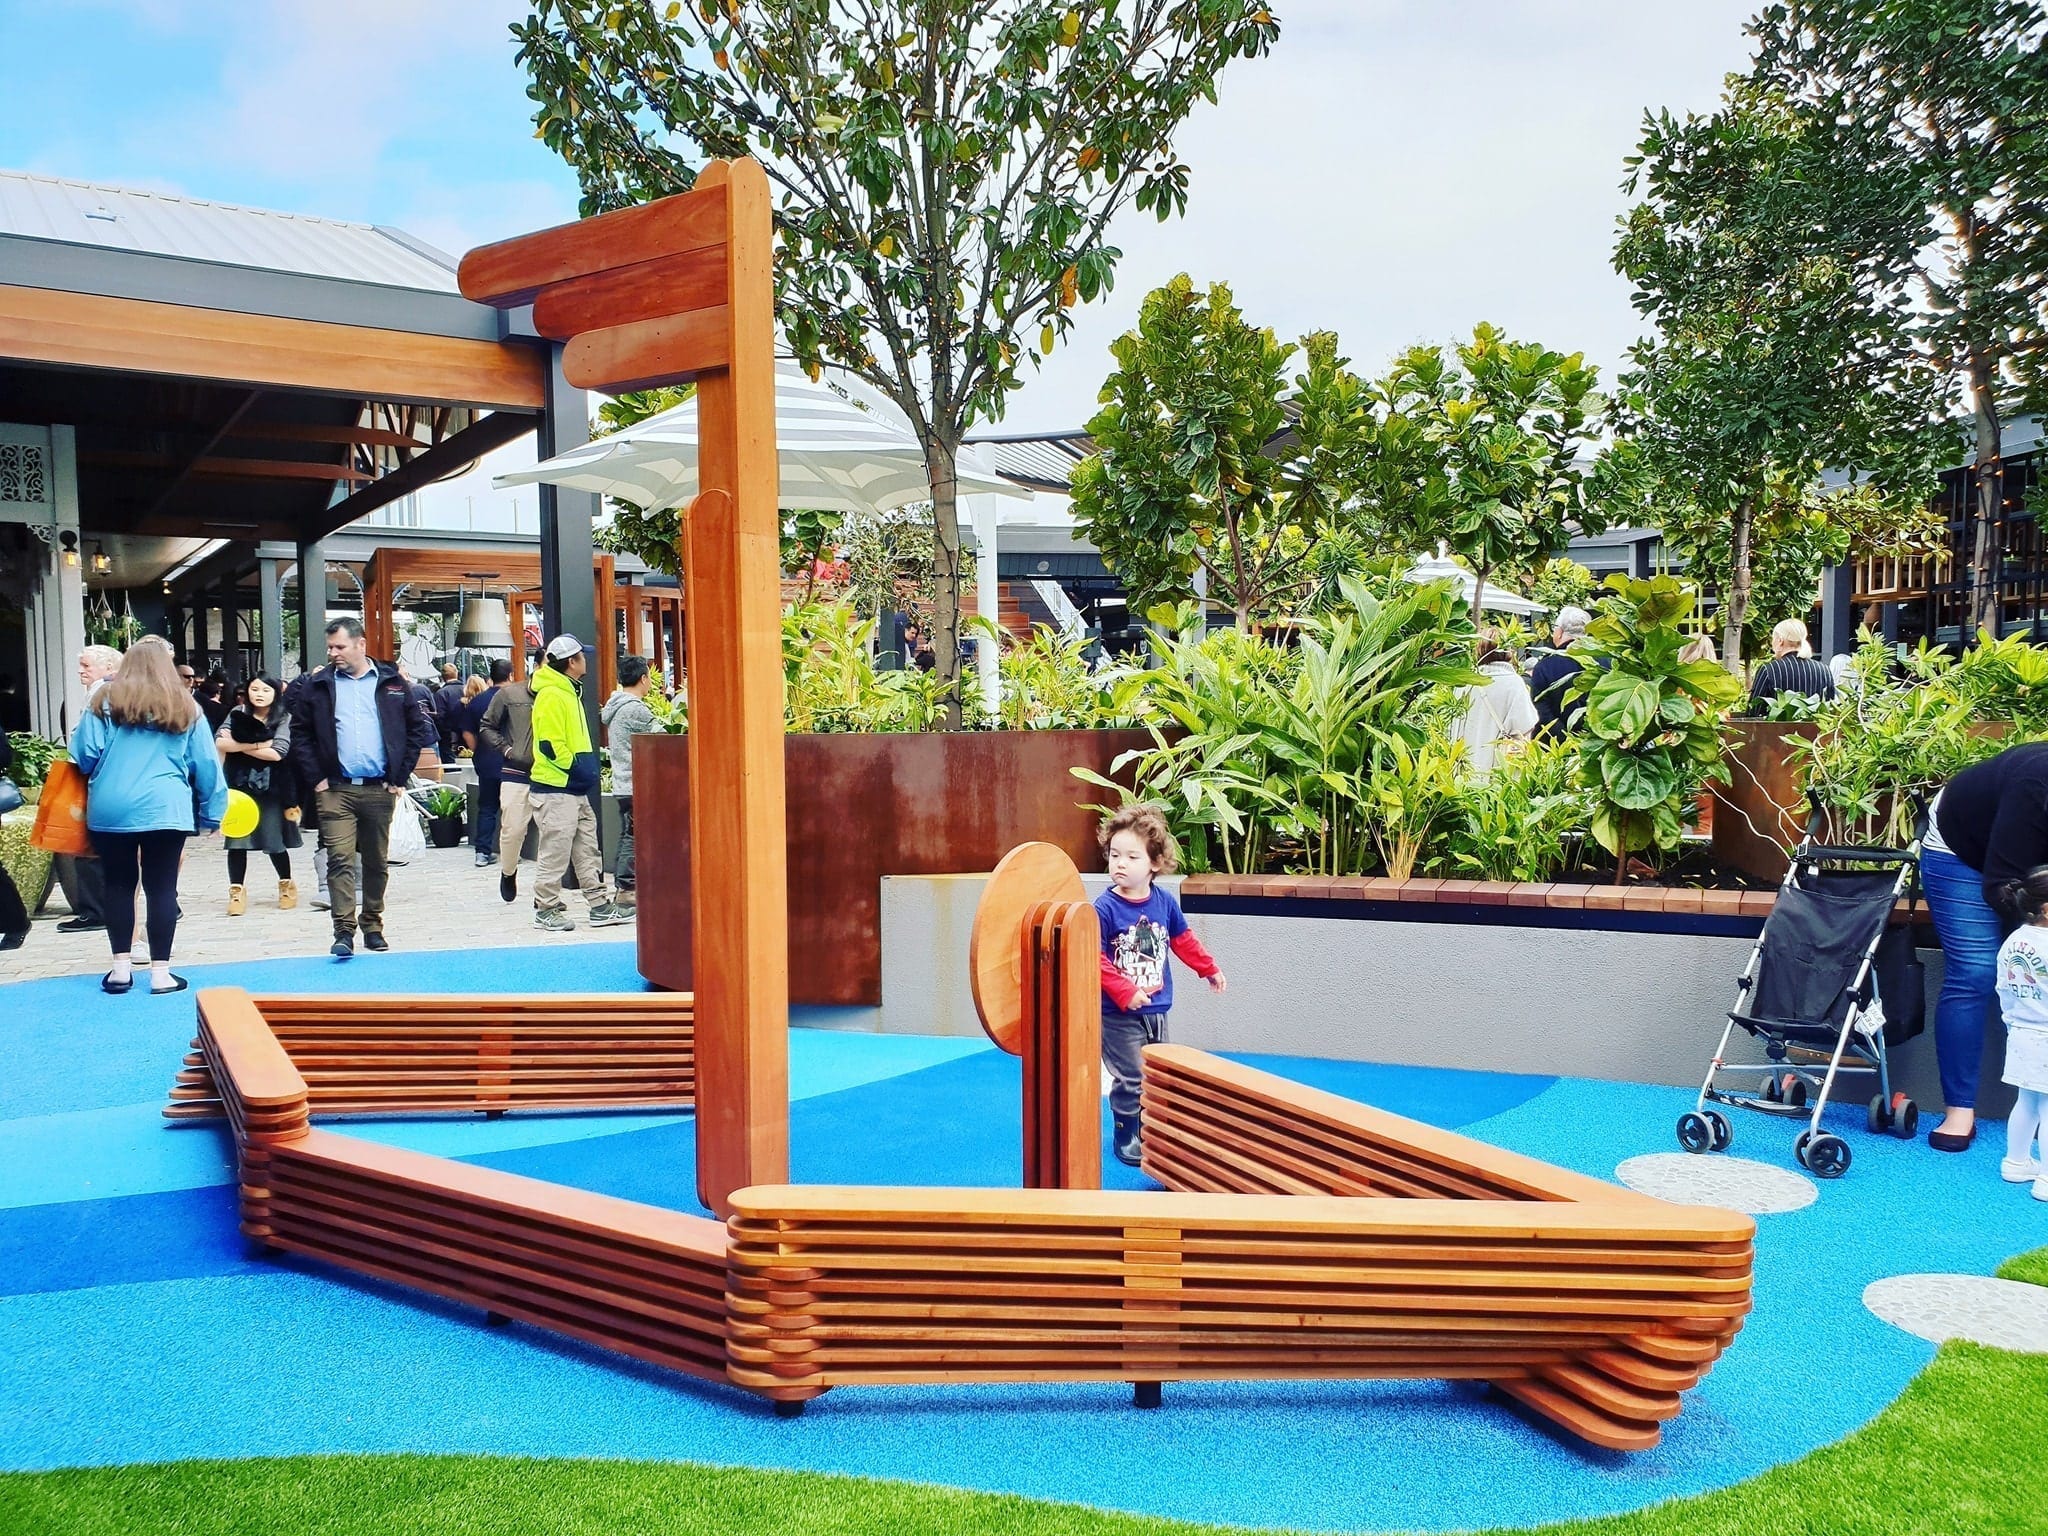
(2023, 1000)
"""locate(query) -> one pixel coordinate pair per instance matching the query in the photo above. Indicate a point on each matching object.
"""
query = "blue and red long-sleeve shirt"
(1136, 938)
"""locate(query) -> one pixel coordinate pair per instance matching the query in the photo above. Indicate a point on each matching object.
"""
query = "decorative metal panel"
(25, 475)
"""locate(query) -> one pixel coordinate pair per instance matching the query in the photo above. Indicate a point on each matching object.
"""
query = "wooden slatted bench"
(1595, 1315)
(633, 1278)
(1215, 1125)
(490, 1053)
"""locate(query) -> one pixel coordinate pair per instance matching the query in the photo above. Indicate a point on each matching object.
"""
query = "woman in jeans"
(1990, 825)
(147, 752)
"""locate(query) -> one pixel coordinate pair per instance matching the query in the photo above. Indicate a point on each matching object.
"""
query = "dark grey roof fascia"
(68, 267)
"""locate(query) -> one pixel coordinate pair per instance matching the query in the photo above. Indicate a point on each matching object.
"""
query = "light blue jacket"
(146, 780)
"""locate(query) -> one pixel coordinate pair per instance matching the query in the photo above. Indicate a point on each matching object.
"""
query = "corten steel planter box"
(1761, 811)
(861, 806)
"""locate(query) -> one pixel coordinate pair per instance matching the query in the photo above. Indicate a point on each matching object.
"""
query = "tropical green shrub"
(1260, 747)
(1896, 734)
(1527, 820)
(1410, 791)
(1651, 733)
(445, 801)
(830, 682)
(1048, 684)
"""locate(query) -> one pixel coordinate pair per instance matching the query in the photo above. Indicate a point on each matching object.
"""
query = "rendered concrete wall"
(1630, 1007)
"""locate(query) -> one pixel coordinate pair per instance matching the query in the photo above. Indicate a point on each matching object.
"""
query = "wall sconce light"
(102, 562)
(69, 541)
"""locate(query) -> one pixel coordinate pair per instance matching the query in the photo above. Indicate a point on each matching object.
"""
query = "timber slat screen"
(488, 1053)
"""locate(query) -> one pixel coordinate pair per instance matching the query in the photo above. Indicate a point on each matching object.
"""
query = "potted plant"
(444, 816)
(33, 755)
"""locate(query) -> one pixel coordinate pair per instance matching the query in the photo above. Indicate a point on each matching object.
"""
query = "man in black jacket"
(1550, 681)
(357, 731)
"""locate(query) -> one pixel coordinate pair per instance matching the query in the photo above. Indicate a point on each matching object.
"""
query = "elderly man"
(80, 878)
(1791, 669)
(1550, 680)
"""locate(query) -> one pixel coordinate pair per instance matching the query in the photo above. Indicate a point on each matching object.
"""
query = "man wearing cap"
(563, 777)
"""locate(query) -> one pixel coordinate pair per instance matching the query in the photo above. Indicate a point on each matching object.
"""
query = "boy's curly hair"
(1150, 826)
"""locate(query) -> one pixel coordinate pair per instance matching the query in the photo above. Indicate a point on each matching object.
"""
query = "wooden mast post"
(676, 290)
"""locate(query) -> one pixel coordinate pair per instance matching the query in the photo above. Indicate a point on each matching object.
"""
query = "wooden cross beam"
(679, 290)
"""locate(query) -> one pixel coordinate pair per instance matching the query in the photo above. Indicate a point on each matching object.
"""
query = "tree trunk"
(939, 457)
(1986, 550)
(1735, 611)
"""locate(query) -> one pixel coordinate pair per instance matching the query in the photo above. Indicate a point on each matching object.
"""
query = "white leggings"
(2024, 1123)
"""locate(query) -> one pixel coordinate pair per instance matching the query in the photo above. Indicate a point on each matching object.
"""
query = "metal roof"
(1041, 461)
(163, 224)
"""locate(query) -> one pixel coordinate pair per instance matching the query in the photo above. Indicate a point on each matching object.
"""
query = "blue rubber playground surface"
(133, 1328)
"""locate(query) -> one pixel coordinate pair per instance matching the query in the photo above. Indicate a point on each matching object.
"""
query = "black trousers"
(13, 915)
(150, 858)
(81, 879)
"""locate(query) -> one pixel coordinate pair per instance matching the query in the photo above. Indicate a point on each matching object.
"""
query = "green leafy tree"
(1561, 583)
(1192, 472)
(1653, 723)
(945, 170)
(1768, 367)
(1509, 424)
(1936, 111)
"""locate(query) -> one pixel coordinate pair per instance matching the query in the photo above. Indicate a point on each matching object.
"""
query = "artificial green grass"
(1961, 1452)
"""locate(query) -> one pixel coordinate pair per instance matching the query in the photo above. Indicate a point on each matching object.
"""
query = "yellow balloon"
(242, 815)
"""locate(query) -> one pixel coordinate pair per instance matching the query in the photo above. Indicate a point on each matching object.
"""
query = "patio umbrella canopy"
(842, 447)
(1499, 599)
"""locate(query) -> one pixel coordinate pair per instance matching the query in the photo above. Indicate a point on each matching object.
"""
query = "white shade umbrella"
(843, 447)
(1499, 599)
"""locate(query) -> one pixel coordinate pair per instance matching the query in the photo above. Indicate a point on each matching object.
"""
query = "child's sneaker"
(2041, 1188)
(553, 919)
(2019, 1170)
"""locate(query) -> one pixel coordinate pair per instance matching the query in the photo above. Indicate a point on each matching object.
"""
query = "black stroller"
(1807, 998)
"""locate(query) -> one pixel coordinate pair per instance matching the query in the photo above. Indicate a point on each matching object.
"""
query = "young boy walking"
(1140, 924)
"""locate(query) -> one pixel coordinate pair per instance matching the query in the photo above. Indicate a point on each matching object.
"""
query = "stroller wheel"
(1768, 1090)
(1826, 1156)
(1905, 1117)
(1724, 1133)
(1694, 1134)
(1792, 1090)
(1880, 1114)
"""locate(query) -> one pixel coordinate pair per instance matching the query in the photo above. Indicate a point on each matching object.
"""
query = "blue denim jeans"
(1971, 933)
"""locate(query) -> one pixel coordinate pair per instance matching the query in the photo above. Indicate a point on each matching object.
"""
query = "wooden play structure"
(1300, 1235)
(416, 1055)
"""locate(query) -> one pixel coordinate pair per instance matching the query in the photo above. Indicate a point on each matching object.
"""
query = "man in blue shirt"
(356, 734)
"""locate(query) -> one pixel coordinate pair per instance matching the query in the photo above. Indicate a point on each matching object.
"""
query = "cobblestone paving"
(439, 901)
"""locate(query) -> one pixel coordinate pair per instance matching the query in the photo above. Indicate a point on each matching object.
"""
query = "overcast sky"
(1396, 170)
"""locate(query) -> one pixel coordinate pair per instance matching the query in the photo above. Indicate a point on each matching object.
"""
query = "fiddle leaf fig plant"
(1652, 723)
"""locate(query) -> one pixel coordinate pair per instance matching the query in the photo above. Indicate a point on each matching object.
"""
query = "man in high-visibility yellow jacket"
(564, 775)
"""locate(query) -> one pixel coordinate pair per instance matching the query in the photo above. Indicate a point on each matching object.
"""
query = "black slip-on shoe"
(508, 885)
(80, 925)
(178, 984)
(108, 984)
(1948, 1141)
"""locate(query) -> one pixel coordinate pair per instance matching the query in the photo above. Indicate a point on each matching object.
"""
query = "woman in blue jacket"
(147, 752)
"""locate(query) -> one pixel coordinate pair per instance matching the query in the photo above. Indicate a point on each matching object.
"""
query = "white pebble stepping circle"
(2004, 1314)
(1734, 1183)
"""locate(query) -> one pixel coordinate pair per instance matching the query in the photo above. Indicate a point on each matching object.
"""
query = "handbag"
(60, 813)
(10, 795)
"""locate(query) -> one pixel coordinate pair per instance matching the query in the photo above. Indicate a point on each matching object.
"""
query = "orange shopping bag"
(60, 813)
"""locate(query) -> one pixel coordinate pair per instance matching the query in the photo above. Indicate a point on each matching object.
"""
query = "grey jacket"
(624, 717)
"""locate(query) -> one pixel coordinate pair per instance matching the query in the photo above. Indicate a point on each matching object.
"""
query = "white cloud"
(1399, 172)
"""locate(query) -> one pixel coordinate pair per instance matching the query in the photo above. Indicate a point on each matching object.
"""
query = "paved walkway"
(439, 901)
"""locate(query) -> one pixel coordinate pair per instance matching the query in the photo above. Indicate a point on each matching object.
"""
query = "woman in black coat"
(1989, 827)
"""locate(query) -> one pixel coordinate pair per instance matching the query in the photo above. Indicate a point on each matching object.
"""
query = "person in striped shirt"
(1788, 671)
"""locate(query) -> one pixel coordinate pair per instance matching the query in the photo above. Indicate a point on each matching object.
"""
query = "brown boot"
(238, 900)
(287, 895)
